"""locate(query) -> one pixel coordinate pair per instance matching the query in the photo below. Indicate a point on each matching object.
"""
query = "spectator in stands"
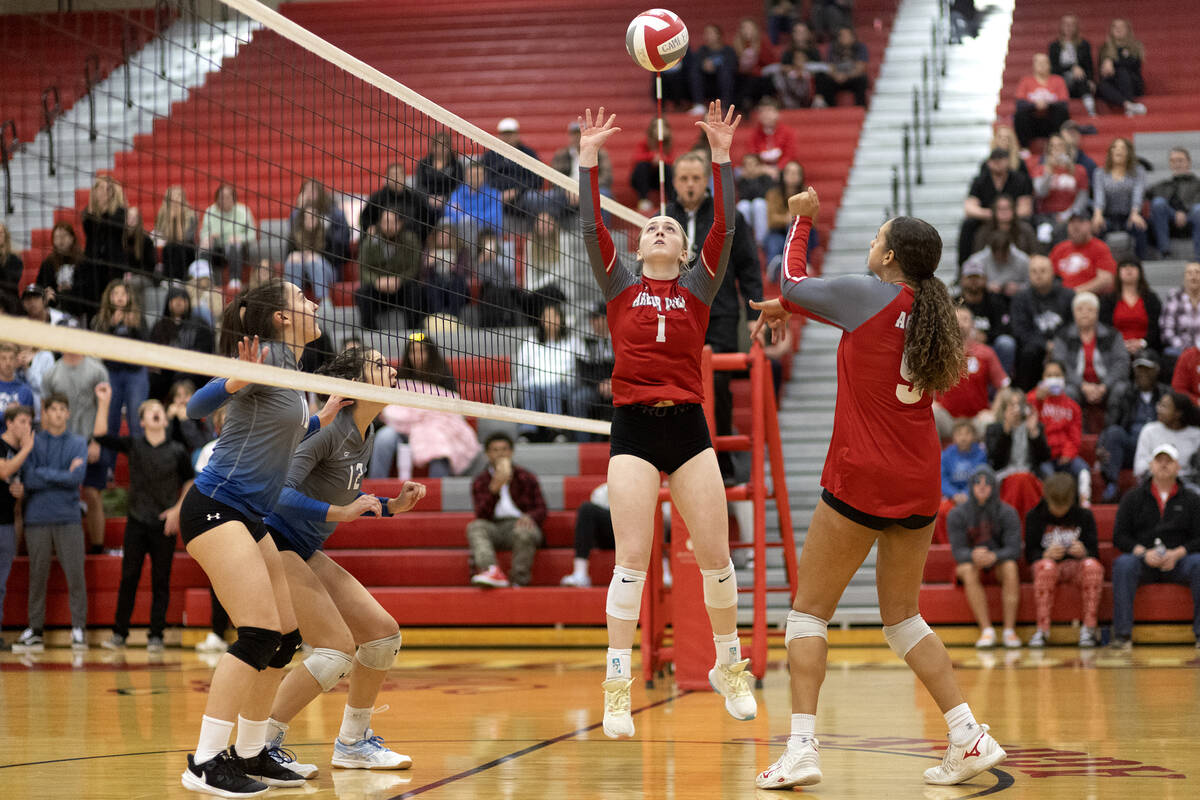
(1060, 188)
(1177, 424)
(1071, 135)
(444, 274)
(1003, 218)
(38, 304)
(1175, 204)
(771, 140)
(779, 21)
(121, 315)
(1121, 58)
(50, 480)
(847, 60)
(1062, 420)
(226, 233)
(985, 534)
(757, 62)
(1041, 103)
(592, 396)
(139, 255)
(779, 218)
(593, 530)
(1157, 532)
(1133, 310)
(178, 327)
(544, 372)
(476, 204)
(1128, 412)
(1180, 320)
(1083, 262)
(314, 196)
(509, 513)
(32, 365)
(552, 265)
(989, 310)
(389, 258)
(495, 273)
(207, 301)
(970, 399)
(1118, 191)
(16, 443)
(996, 179)
(753, 183)
(1002, 269)
(62, 272)
(1071, 58)
(1094, 355)
(1186, 378)
(103, 230)
(507, 177)
(960, 460)
(566, 161)
(412, 206)
(193, 434)
(422, 364)
(13, 390)
(1061, 545)
(175, 231)
(11, 266)
(160, 473)
(1005, 138)
(644, 178)
(794, 80)
(75, 377)
(306, 259)
(830, 17)
(964, 20)
(1015, 442)
(713, 73)
(440, 172)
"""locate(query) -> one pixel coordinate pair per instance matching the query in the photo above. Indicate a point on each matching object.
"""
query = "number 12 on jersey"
(662, 328)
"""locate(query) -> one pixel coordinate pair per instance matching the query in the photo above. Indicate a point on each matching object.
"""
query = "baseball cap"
(32, 290)
(973, 268)
(998, 152)
(200, 268)
(508, 125)
(1145, 358)
(1165, 449)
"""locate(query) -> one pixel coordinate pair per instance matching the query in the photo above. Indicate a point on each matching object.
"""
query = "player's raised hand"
(410, 494)
(805, 204)
(331, 408)
(719, 130)
(251, 350)
(593, 134)
(773, 316)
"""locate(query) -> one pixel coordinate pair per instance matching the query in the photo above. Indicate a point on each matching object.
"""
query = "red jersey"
(777, 147)
(658, 326)
(1057, 188)
(1187, 374)
(970, 395)
(1062, 422)
(1077, 265)
(884, 456)
(1054, 90)
(1131, 320)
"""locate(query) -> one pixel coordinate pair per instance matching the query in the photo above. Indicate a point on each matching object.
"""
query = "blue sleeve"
(293, 504)
(63, 478)
(383, 503)
(208, 398)
(314, 426)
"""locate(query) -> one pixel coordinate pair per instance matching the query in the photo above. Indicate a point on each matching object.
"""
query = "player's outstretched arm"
(410, 494)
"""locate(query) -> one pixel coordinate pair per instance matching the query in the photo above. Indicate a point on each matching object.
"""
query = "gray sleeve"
(311, 452)
(715, 252)
(846, 301)
(611, 275)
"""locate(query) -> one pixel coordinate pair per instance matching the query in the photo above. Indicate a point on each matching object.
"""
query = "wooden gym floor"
(524, 723)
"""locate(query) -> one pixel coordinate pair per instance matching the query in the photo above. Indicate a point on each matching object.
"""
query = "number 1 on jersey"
(662, 329)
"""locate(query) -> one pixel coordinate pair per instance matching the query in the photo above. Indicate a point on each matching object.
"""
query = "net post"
(662, 167)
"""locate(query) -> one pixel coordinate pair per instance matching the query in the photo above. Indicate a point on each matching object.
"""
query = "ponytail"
(252, 313)
(933, 345)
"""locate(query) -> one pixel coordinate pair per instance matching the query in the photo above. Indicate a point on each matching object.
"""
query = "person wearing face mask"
(1062, 420)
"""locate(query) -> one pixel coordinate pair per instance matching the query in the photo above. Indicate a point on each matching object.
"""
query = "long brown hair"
(1112, 48)
(74, 256)
(304, 238)
(933, 345)
(134, 238)
(1131, 162)
(252, 313)
(175, 216)
(5, 243)
(116, 198)
(133, 308)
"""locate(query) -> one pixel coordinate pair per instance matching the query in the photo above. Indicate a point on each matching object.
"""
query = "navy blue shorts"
(666, 436)
(284, 542)
(96, 476)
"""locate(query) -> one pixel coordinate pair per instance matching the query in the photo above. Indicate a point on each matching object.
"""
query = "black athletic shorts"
(666, 436)
(283, 543)
(913, 523)
(200, 513)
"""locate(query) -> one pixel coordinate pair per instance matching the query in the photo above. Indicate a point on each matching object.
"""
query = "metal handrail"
(49, 114)
(91, 76)
(162, 19)
(126, 54)
(5, 152)
(908, 193)
(916, 107)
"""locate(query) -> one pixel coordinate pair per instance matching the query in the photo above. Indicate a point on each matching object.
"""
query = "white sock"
(1089, 103)
(618, 664)
(581, 568)
(355, 722)
(804, 727)
(961, 722)
(276, 731)
(729, 648)
(251, 736)
(214, 737)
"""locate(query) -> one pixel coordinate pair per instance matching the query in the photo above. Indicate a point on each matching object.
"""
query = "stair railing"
(50, 111)
(7, 146)
(91, 76)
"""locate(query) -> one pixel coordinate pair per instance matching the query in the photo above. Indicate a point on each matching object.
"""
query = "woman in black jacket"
(1071, 57)
(1015, 442)
(104, 246)
(178, 327)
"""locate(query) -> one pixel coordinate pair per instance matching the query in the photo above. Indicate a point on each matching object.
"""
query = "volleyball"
(656, 39)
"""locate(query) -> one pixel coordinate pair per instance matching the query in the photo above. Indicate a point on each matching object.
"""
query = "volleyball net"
(197, 148)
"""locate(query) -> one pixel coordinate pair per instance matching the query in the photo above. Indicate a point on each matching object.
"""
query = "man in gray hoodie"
(985, 536)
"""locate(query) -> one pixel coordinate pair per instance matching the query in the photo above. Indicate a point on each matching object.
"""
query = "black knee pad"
(288, 645)
(255, 646)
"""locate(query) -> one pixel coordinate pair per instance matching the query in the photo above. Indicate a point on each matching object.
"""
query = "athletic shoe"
(618, 721)
(114, 642)
(154, 644)
(987, 639)
(1039, 639)
(963, 762)
(78, 640)
(368, 753)
(222, 776)
(212, 644)
(1121, 644)
(267, 770)
(29, 642)
(579, 581)
(800, 765)
(287, 759)
(1087, 636)
(733, 683)
(1011, 640)
(492, 577)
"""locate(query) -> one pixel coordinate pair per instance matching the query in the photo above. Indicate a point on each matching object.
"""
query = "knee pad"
(288, 644)
(380, 653)
(803, 626)
(720, 587)
(905, 634)
(327, 666)
(255, 646)
(625, 594)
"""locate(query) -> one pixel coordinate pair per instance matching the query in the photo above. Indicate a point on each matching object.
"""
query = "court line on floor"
(525, 751)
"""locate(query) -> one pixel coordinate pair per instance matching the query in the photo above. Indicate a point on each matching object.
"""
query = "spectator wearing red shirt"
(1083, 262)
(757, 61)
(1187, 374)
(1062, 422)
(774, 142)
(645, 168)
(1041, 103)
(509, 512)
(1133, 309)
(1060, 187)
(968, 400)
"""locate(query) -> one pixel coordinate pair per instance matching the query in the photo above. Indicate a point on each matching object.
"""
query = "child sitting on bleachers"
(959, 462)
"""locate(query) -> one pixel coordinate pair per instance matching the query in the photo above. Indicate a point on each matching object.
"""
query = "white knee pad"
(802, 626)
(720, 587)
(904, 635)
(625, 594)
(328, 666)
(380, 653)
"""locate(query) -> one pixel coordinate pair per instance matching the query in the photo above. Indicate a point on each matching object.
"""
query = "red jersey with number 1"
(884, 455)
